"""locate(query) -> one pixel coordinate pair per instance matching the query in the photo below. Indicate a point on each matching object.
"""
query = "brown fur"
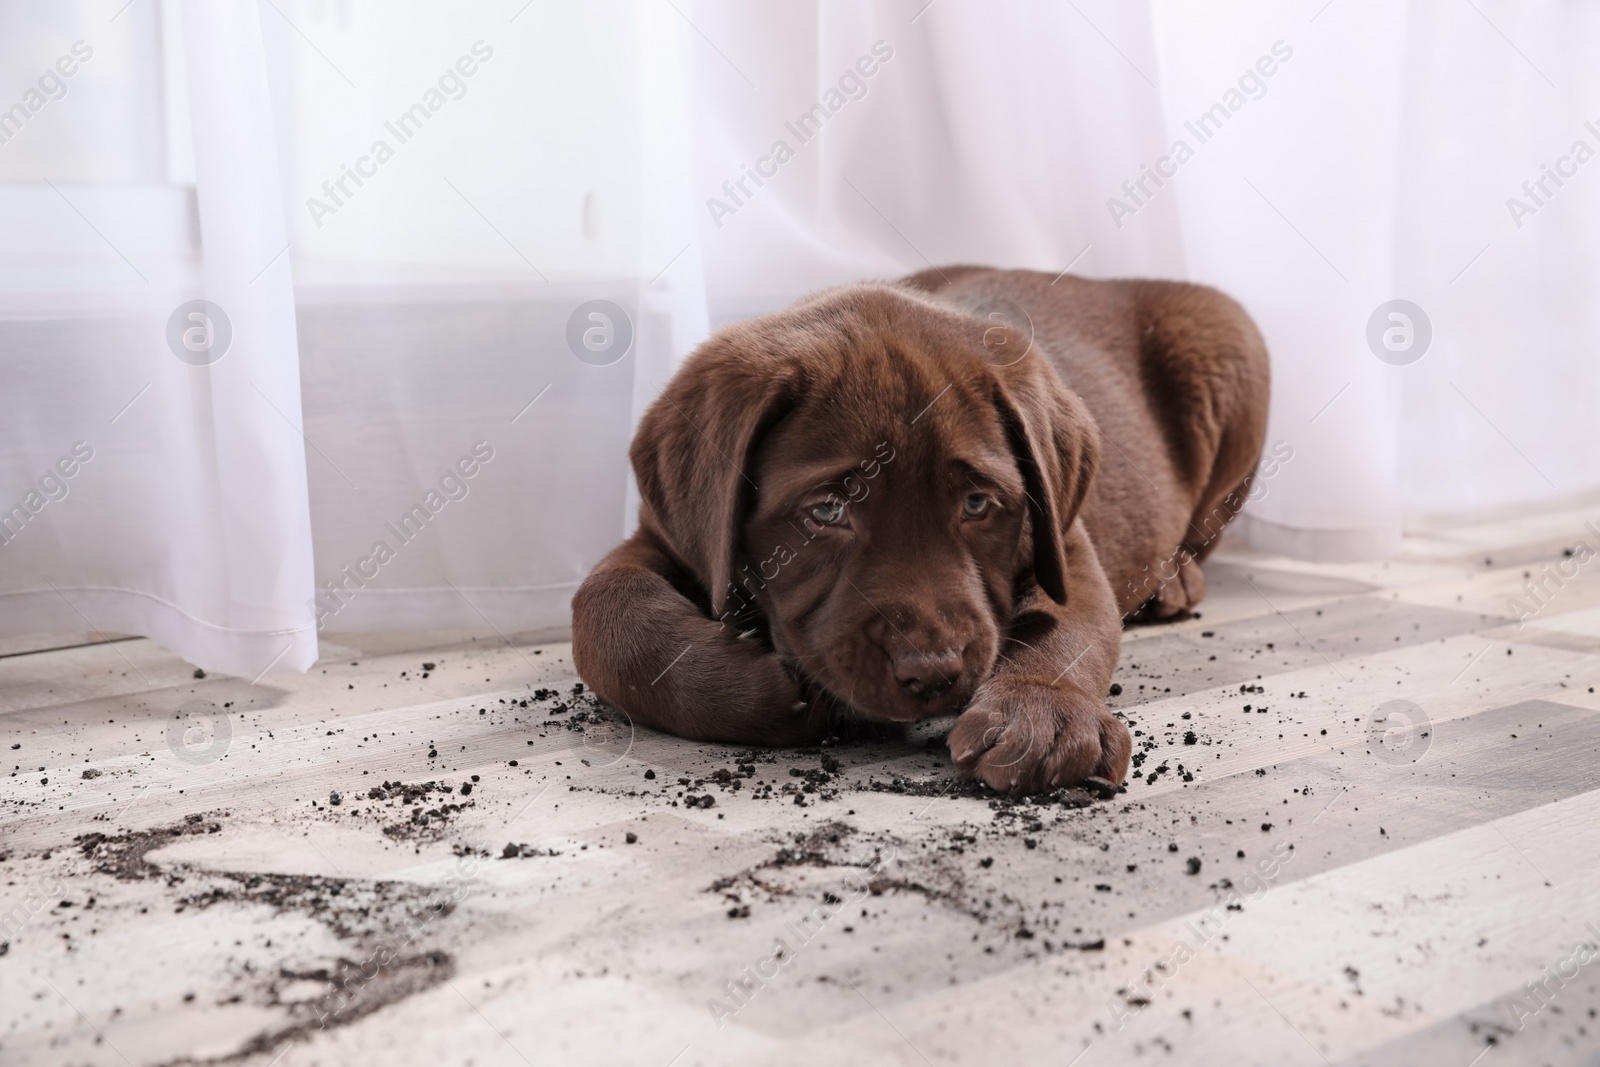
(1007, 500)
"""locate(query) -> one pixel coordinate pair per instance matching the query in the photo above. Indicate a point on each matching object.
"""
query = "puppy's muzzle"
(926, 675)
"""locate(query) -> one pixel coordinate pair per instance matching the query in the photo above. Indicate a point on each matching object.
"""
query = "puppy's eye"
(975, 506)
(829, 512)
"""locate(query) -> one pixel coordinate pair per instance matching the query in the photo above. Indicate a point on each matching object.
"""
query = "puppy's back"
(1175, 374)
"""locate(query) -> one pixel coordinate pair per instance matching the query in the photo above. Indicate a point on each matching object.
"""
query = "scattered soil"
(381, 923)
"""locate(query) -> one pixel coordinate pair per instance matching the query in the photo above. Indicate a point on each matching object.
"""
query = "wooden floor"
(294, 871)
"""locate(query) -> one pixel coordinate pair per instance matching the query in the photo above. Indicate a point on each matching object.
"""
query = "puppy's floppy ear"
(692, 454)
(1057, 447)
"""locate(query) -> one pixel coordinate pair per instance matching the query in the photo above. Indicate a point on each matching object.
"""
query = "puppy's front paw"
(1022, 736)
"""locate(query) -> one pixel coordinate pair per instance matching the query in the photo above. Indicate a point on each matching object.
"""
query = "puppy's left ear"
(693, 451)
(1057, 447)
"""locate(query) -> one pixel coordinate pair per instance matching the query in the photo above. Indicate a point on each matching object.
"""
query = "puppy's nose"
(927, 674)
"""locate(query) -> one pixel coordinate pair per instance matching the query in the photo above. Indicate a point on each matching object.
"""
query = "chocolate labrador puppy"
(941, 496)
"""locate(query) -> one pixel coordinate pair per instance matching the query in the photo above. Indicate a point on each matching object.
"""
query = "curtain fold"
(332, 317)
(264, 534)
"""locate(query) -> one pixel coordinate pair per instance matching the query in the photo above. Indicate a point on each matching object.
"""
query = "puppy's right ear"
(1056, 444)
(692, 455)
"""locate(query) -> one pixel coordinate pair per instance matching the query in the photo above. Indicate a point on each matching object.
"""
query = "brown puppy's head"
(860, 482)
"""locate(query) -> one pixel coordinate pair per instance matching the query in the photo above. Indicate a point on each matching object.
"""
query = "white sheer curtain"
(1361, 152)
(403, 209)
(1381, 164)
(521, 161)
(149, 487)
(408, 411)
